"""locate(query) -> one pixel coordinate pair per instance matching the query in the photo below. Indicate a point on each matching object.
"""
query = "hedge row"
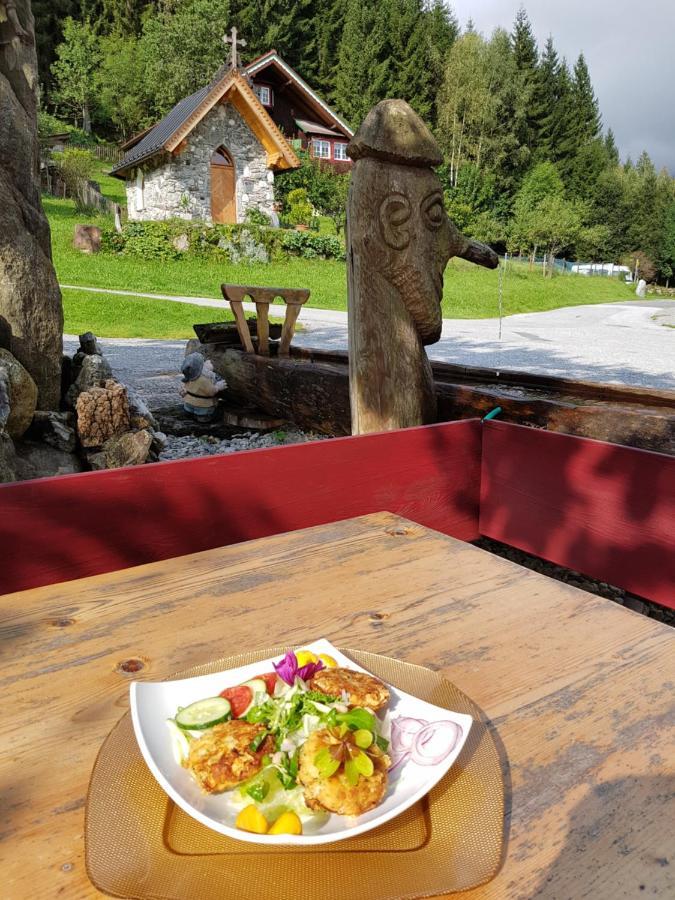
(174, 239)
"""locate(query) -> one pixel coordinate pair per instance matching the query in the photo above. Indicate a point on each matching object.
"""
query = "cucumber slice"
(257, 686)
(204, 714)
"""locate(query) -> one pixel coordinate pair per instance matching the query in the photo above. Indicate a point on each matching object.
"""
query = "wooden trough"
(311, 389)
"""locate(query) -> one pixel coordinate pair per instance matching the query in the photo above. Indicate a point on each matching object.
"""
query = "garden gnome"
(399, 241)
(200, 387)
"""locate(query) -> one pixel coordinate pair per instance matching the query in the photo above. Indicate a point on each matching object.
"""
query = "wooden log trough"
(310, 388)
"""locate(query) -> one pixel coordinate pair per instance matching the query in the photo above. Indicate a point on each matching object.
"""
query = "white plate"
(152, 703)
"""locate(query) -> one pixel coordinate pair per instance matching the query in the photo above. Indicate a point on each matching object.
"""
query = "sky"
(630, 51)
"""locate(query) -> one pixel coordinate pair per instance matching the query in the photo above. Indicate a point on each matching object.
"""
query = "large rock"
(129, 449)
(22, 391)
(4, 400)
(30, 299)
(7, 459)
(140, 414)
(5, 334)
(94, 371)
(87, 238)
(102, 413)
(42, 461)
(54, 428)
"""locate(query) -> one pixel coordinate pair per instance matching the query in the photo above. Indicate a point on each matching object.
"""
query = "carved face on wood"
(411, 239)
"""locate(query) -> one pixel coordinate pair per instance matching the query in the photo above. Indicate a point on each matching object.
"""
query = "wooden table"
(581, 691)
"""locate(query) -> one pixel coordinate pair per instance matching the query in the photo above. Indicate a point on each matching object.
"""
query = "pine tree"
(524, 45)
(357, 59)
(526, 59)
(545, 99)
(330, 28)
(564, 137)
(585, 103)
(610, 147)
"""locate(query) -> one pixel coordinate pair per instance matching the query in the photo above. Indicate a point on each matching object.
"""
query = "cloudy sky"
(630, 53)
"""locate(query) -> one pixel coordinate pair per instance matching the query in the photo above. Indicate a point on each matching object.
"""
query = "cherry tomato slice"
(270, 679)
(240, 699)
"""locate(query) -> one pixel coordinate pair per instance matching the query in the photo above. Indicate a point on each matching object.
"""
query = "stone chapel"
(214, 156)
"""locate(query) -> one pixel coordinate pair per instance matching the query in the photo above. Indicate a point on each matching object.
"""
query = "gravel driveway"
(625, 343)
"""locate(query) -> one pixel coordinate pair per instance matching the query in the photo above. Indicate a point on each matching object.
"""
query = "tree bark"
(30, 299)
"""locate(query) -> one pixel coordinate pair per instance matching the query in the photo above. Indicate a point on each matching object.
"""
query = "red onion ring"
(403, 731)
(420, 754)
(398, 761)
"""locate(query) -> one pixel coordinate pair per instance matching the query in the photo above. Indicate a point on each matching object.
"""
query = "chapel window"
(340, 151)
(321, 149)
(264, 93)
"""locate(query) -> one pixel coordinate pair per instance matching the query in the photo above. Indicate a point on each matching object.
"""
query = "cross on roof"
(232, 39)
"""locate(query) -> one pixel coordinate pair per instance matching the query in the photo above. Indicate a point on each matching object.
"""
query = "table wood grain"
(581, 692)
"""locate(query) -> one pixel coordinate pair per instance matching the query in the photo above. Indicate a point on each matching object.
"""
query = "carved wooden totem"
(399, 241)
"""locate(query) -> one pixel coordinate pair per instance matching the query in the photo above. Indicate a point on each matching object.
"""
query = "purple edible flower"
(309, 669)
(287, 669)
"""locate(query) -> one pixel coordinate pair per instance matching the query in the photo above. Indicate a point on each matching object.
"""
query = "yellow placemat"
(139, 844)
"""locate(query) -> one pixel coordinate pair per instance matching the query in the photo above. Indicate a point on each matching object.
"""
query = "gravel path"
(625, 343)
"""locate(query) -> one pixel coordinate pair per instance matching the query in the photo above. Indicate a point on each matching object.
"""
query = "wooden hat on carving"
(392, 131)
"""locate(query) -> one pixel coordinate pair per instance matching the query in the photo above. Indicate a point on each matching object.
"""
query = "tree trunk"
(86, 119)
(30, 299)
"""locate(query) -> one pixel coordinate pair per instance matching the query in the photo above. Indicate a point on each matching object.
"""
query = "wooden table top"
(580, 690)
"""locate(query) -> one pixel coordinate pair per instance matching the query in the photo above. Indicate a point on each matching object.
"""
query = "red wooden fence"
(57, 529)
(601, 509)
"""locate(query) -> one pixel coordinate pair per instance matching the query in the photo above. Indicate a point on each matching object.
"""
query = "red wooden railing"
(604, 510)
(57, 529)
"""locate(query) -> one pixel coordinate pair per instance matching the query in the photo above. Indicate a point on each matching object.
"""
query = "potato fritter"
(336, 794)
(363, 690)
(222, 757)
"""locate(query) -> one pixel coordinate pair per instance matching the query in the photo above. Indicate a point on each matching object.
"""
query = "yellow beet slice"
(287, 823)
(305, 656)
(251, 819)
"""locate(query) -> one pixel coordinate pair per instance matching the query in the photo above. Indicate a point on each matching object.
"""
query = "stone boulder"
(5, 334)
(93, 371)
(54, 428)
(87, 238)
(7, 459)
(129, 449)
(22, 392)
(140, 414)
(43, 461)
(102, 413)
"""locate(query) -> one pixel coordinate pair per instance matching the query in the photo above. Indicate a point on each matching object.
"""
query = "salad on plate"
(302, 742)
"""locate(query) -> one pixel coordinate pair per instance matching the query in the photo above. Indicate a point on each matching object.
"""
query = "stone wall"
(180, 186)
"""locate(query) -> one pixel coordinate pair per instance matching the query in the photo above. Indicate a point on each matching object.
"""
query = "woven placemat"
(139, 844)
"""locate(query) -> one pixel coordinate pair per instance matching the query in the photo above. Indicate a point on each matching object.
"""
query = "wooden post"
(399, 240)
(263, 328)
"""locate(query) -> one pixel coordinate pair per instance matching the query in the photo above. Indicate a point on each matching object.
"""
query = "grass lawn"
(111, 316)
(112, 188)
(470, 292)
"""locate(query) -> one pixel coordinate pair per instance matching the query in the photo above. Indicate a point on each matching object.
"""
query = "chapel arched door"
(223, 183)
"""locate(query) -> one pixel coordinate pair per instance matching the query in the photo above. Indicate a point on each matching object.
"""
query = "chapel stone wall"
(180, 186)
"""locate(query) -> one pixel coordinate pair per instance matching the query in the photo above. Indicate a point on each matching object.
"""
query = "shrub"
(235, 243)
(300, 212)
(257, 217)
(76, 167)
